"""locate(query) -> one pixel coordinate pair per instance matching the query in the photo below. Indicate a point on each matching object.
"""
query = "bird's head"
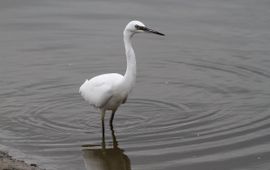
(138, 27)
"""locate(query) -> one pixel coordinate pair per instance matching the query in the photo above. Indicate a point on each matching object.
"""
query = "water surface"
(202, 98)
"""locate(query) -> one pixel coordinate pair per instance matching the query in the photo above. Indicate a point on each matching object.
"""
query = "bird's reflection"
(104, 157)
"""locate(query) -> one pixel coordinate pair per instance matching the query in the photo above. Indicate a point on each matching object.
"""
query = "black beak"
(145, 29)
(153, 31)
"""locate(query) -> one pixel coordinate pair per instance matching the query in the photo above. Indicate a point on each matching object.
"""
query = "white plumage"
(109, 91)
(103, 91)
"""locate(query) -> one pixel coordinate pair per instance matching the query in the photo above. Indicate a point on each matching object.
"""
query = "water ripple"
(149, 128)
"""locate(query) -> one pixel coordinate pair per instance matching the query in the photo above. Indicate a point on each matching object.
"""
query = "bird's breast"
(115, 101)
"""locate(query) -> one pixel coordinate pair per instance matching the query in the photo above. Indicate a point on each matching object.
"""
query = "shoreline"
(9, 163)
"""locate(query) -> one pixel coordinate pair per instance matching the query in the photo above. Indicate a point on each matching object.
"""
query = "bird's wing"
(96, 93)
(98, 90)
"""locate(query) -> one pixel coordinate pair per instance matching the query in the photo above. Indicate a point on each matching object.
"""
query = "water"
(202, 98)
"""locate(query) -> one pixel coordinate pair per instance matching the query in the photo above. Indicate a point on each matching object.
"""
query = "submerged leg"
(112, 117)
(115, 143)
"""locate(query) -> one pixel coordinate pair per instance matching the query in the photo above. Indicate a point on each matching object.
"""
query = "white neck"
(130, 75)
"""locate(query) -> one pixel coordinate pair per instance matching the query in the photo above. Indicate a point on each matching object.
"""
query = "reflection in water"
(98, 157)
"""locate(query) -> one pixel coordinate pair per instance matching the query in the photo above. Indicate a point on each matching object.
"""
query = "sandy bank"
(9, 163)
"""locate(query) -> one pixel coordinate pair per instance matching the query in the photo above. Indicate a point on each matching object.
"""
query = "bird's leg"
(103, 128)
(115, 143)
(112, 116)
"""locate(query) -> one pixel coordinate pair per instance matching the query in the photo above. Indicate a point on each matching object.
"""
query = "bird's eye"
(137, 27)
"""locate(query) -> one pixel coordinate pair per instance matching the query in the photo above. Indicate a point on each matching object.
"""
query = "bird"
(108, 91)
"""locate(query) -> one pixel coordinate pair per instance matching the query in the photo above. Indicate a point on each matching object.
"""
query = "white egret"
(109, 91)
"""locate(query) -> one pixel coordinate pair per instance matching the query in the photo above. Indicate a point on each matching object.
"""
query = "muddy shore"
(9, 163)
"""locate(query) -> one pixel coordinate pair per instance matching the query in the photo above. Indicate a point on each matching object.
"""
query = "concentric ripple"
(195, 138)
(162, 132)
